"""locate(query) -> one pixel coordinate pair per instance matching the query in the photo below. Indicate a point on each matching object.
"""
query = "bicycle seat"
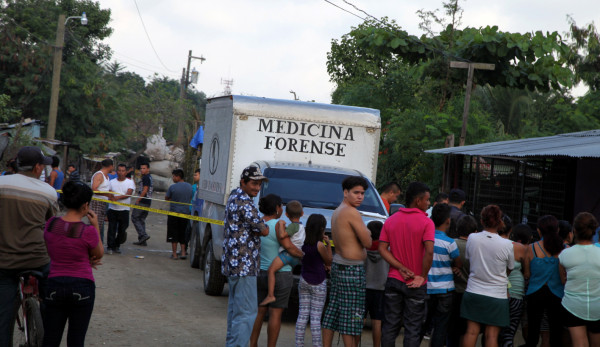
(33, 273)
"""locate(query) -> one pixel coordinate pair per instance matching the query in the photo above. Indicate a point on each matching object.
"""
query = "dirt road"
(156, 301)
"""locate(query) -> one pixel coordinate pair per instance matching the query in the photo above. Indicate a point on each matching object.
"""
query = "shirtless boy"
(346, 307)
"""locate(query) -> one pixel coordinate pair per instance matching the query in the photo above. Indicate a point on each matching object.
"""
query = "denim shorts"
(284, 280)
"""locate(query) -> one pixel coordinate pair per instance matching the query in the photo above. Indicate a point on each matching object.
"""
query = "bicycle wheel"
(35, 326)
(17, 330)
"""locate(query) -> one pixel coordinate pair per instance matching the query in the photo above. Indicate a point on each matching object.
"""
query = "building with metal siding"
(529, 178)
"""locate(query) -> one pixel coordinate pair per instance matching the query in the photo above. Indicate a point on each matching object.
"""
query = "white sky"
(269, 47)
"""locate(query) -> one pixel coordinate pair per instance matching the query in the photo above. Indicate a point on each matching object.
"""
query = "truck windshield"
(315, 189)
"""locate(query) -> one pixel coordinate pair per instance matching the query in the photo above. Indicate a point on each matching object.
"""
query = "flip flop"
(183, 257)
(174, 258)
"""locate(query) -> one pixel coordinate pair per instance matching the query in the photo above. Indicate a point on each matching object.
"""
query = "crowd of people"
(65, 249)
(439, 273)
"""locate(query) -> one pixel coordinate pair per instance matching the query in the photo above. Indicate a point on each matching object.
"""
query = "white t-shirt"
(297, 239)
(121, 187)
(489, 255)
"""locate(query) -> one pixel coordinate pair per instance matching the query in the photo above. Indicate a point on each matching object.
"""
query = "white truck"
(305, 149)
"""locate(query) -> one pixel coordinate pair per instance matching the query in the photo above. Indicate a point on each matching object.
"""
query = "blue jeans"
(72, 299)
(403, 305)
(9, 284)
(241, 310)
(138, 218)
(439, 307)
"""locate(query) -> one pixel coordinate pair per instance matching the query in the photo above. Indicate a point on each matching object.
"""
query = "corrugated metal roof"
(584, 144)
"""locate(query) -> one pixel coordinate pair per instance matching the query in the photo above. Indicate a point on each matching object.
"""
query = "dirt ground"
(157, 301)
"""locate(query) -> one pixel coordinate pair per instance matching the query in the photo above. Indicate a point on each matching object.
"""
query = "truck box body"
(306, 149)
(240, 130)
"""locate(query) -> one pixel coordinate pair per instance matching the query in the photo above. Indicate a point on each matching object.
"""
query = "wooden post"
(58, 50)
(471, 67)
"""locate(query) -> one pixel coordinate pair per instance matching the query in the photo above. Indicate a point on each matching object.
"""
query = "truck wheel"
(195, 247)
(214, 281)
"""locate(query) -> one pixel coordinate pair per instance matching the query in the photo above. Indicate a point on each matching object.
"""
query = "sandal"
(174, 257)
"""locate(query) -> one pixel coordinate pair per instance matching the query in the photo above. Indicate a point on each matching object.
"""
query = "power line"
(407, 37)
(148, 36)
(343, 9)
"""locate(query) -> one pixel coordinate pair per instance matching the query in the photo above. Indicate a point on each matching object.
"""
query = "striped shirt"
(440, 278)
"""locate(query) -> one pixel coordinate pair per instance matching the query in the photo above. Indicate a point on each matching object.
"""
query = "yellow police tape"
(139, 197)
(168, 213)
(156, 210)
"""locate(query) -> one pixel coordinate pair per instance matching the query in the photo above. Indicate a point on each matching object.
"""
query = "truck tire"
(214, 281)
(195, 247)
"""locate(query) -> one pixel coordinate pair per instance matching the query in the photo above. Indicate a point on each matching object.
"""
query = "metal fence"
(525, 189)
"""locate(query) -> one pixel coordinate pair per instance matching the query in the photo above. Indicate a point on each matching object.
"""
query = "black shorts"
(284, 280)
(176, 229)
(374, 303)
(570, 320)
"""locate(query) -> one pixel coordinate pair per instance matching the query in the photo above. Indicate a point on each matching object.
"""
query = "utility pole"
(58, 51)
(185, 81)
(60, 40)
(471, 67)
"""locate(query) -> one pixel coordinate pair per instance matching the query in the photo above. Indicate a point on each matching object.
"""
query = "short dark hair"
(457, 196)
(177, 172)
(415, 190)
(353, 181)
(522, 233)
(294, 209)
(122, 165)
(55, 161)
(441, 197)
(440, 214)
(585, 225)
(197, 171)
(145, 164)
(71, 165)
(75, 194)
(375, 227)
(107, 163)
(268, 204)
(466, 225)
(392, 186)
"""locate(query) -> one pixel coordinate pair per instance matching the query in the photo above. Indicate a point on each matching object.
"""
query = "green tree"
(27, 30)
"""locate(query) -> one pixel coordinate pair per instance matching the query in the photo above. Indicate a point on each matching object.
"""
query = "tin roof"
(584, 144)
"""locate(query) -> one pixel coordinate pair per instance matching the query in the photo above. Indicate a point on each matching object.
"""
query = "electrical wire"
(407, 37)
(148, 36)
(343, 9)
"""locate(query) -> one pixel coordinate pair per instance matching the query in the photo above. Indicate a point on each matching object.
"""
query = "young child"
(313, 285)
(440, 281)
(376, 270)
(290, 237)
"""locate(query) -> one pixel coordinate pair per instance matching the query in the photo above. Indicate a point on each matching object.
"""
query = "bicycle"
(28, 328)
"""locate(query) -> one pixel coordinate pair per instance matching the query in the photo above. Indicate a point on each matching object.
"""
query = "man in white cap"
(26, 203)
(240, 260)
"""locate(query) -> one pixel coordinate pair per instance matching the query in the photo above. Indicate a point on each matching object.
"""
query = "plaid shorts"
(99, 208)
(346, 307)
